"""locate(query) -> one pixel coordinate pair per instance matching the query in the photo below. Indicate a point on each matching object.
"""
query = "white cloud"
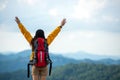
(86, 9)
(3, 5)
(90, 41)
(29, 2)
(108, 18)
(4, 27)
(11, 41)
(96, 42)
(53, 12)
(100, 43)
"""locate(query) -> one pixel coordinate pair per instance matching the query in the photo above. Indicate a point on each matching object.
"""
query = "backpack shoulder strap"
(48, 57)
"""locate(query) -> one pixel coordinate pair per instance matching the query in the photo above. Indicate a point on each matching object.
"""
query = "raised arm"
(55, 32)
(23, 30)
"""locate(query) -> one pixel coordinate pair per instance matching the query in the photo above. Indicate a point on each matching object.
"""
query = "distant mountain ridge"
(84, 55)
(77, 55)
(18, 61)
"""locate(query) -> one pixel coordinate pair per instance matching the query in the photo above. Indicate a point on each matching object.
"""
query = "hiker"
(39, 73)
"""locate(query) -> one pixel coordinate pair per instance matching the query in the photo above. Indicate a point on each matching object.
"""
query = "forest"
(79, 71)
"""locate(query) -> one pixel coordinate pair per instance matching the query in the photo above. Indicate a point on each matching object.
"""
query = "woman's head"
(39, 34)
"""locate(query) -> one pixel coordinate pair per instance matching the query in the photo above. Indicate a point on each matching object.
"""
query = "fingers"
(17, 20)
(63, 22)
(64, 19)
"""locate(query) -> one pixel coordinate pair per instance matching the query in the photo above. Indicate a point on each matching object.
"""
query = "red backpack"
(41, 56)
(41, 52)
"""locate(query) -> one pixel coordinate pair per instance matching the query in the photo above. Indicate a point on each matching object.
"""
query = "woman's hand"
(17, 20)
(63, 22)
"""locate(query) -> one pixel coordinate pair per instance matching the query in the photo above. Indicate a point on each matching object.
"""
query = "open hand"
(63, 22)
(17, 20)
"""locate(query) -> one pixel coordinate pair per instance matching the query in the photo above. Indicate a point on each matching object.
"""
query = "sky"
(92, 26)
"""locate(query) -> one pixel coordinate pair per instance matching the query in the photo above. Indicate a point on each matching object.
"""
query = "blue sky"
(92, 26)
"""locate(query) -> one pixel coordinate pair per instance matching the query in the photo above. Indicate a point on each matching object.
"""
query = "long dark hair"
(39, 34)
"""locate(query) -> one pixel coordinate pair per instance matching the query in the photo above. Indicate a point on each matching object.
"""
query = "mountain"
(79, 71)
(107, 61)
(86, 71)
(19, 61)
(84, 55)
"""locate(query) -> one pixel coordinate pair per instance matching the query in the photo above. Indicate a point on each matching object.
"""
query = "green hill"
(86, 71)
(82, 71)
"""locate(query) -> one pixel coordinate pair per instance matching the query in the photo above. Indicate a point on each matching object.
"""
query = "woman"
(39, 73)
